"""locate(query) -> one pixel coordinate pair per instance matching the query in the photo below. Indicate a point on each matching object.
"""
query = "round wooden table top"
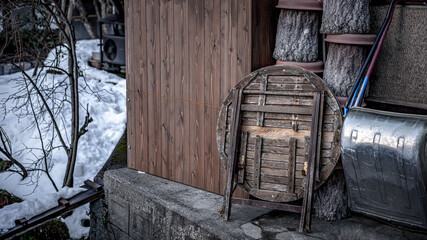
(277, 113)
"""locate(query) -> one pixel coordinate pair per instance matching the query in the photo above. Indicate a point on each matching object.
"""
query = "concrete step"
(143, 206)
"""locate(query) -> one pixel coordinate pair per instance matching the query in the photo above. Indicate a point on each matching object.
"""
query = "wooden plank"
(261, 101)
(171, 106)
(209, 70)
(274, 168)
(143, 103)
(294, 79)
(233, 42)
(135, 82)
(278, 142)
(291, 165)
(274, 179)
(137, 88)
(257, 166)
(232, 155)
(129, 86)
(305, 220)
(242, 158)
(165, 83)
(187, 95)
(267, 149)
(288, 124)
(243, 39)
(225, 82)
(319, 138)
(280, 93)
(216, 94)
(271, 195)
(281, 100)
(274, 133)
(192, 33)
(269, 205)
(179, 79)
(152, 85)
(277, 87)
(158, 92)
(277, 109)
(199, 179)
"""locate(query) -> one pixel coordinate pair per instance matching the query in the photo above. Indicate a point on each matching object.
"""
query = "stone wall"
(399, 74)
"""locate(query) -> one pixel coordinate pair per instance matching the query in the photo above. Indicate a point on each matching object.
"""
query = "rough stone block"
(399, 74)
(119, 212)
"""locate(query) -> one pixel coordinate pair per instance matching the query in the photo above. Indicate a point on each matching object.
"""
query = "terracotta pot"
(316, 67)
(309, 5)
(352, 39)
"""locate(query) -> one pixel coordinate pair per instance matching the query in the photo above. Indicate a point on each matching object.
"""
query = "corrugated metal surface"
(385, 164)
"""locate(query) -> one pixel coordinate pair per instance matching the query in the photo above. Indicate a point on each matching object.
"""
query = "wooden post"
(297, 36)
(232, 156)
(305, 221)
(343, 66)
(345, 16)
(346, 55)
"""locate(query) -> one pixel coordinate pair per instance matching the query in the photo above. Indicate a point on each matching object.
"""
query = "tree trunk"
(297, 36)
(342, 67)
(330, 200)
(345, 16)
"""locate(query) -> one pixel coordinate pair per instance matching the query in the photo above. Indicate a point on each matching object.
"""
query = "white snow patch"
(74, 222)
(108, 110)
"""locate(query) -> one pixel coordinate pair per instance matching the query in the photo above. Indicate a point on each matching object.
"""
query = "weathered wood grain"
(183, 58)
(181, 84)
(270, 160)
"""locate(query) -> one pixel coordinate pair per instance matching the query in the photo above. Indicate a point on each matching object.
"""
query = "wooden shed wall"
(183, 57)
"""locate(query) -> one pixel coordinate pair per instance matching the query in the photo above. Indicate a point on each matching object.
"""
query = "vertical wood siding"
(183, 57)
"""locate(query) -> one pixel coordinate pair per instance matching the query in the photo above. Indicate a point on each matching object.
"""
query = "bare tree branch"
(58, 132)
(6, 149)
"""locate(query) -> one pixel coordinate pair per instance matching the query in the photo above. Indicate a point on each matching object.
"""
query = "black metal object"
(401, 107)
(384, 156)
(94, 192)
(117, 37)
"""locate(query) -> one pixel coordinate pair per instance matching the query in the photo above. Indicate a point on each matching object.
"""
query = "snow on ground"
(107, 107)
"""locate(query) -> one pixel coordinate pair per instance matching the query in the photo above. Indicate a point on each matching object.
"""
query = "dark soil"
(52, 230)
(6, 198)
(4, 165)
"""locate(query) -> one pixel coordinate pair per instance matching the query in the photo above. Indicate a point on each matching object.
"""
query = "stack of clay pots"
(297, 38)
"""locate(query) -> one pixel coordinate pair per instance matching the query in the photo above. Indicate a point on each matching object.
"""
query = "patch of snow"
(107, 108)
(74, 222)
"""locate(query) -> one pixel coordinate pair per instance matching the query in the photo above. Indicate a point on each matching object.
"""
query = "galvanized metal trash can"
(384, 156)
